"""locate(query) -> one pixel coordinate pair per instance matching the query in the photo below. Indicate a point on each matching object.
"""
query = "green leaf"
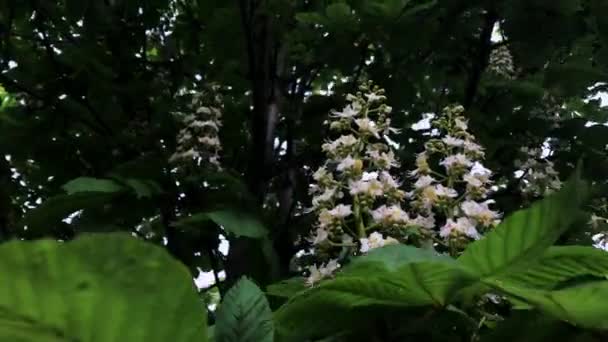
(523, 236)
(561, 264)
(87, 184)
(395, 276)
(55, 209)
(582, 305)
(143, 188)
(532, 326)
(244, 315)
(109, 287)
(338, 12)
(286, 288)
(318, 311)
(236, 222)
(310, 18)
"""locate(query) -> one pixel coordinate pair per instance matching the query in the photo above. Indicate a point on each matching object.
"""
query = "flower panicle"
(457, 186)
(198, 139)
(354, 191)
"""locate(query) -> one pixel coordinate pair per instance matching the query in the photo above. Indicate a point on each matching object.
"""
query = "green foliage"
(244, 315)
(88, 96)
(393, 276)
(523, 236)
(239, 223)
(57, 208)
(96, 288)
(515, 259)
(560, 264)
(86, 184)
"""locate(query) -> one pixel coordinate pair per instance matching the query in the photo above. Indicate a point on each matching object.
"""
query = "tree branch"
(481, 61)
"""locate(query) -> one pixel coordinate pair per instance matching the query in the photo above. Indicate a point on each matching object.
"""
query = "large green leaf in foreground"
(392, 277)
(96, 288)
(524, 235)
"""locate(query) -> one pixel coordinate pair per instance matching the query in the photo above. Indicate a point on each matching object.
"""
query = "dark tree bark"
(480, 62)
(264, 61)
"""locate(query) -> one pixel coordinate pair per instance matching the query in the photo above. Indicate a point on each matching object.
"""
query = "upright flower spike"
(452, 195)
(356, 197)
(198, 140)
(539, 177)
(501, 62)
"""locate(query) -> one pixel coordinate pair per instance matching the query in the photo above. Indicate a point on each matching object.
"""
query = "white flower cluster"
(356, 197)
(456, 189)
(198, 140)
(538, 176)
(550, 109)
(599, 223)
(501, 62)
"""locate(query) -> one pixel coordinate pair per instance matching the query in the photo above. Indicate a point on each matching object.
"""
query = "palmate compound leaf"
(395, 276)
(524, 235)
(97, 288)
(581, 305)
(244, 315)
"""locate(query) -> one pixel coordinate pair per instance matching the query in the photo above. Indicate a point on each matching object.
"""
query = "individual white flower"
(368, 176)
(424, 181)
(422, 165)
(314, 275)
(367, 126)
(326, 219)
(373, 97)
(346, 164)
(443, 191)
(429, 197)
(452, 141)
(320, 174)
(383, 159)
(474, 148)
(324, 271)
(472, 180)
(326, 196)
(462, 226)
(375, 240)
(600, 241)
(480, 212)
(319, 236)
(372, 188)
(478, 176)
(424, 221)
(388, 180)
(456, 160)
(347, 140)
(341, 211)
(349, 111)
(330, 147)
(460, 123)
(390, 215)
(330, 268)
